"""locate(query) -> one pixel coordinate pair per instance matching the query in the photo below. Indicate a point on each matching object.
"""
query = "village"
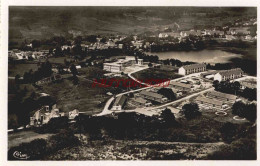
(194, 85)
(173, 84)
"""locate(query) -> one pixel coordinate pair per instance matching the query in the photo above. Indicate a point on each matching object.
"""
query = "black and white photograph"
(109, 83)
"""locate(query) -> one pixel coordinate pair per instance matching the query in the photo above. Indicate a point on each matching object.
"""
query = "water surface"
(207, 56)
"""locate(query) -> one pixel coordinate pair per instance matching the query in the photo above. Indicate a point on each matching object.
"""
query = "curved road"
(106, 111)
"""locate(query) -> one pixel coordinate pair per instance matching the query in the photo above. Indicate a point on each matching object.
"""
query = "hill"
(44, 22)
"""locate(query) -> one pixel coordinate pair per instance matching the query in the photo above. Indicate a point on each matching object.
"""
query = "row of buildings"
(222, 75)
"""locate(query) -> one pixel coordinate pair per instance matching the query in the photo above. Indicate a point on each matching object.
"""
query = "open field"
(92, 72)
(14, 69)
(82, 97)
(223, 118)
(153, 73)
(58, 60)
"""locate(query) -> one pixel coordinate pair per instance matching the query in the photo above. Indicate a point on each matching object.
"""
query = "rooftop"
(194, 66)
(235, 71)
(120, 100)
(140, 100)
(248, 84)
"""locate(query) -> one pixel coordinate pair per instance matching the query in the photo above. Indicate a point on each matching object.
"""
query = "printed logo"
(19, 155)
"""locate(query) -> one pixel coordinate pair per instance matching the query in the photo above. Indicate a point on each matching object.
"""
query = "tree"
(167, 92)
(60, 69)
(36, 43)
(236, 86)
(51, 51)
(168, 117)
(73, 70)
(66, 62)
(58, 52)
(215, 84)
(103, 40)
(241, 149)
(17, 77)
(247, 111)
(228, 132)
(251, 112)
(191, 110)
(238, 108)
(250, 93)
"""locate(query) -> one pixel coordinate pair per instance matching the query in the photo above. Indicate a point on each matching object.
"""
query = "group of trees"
(45, 70)
(247, 111)
(173, 62)
(191, 43)
(226, 86)
(234, 88)
(241, 143)
(23, 104)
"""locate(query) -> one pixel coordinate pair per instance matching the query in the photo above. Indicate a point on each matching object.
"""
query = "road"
(151, 111)
(130, 76)
(106, 111)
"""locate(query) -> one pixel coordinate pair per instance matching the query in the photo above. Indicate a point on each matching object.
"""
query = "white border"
(4, 67)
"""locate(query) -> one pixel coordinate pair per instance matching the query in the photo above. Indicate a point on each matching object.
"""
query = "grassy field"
(20, 69)
(14, 139)
(58, 60)
(224, 118)
(91, 72)
(153, 73)
(82, 97)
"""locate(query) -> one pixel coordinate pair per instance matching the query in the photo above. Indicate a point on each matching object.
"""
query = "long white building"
(119, 65)
(228, 74)
(193, 68)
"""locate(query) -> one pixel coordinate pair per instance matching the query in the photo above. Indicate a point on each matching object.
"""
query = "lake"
(207, 56)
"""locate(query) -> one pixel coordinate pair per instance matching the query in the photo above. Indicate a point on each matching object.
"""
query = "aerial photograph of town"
(132, 83)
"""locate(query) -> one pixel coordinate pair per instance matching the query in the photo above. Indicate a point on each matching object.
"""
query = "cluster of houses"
(98, 45)
(228, 35)
(25, 55)
(46, 113)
